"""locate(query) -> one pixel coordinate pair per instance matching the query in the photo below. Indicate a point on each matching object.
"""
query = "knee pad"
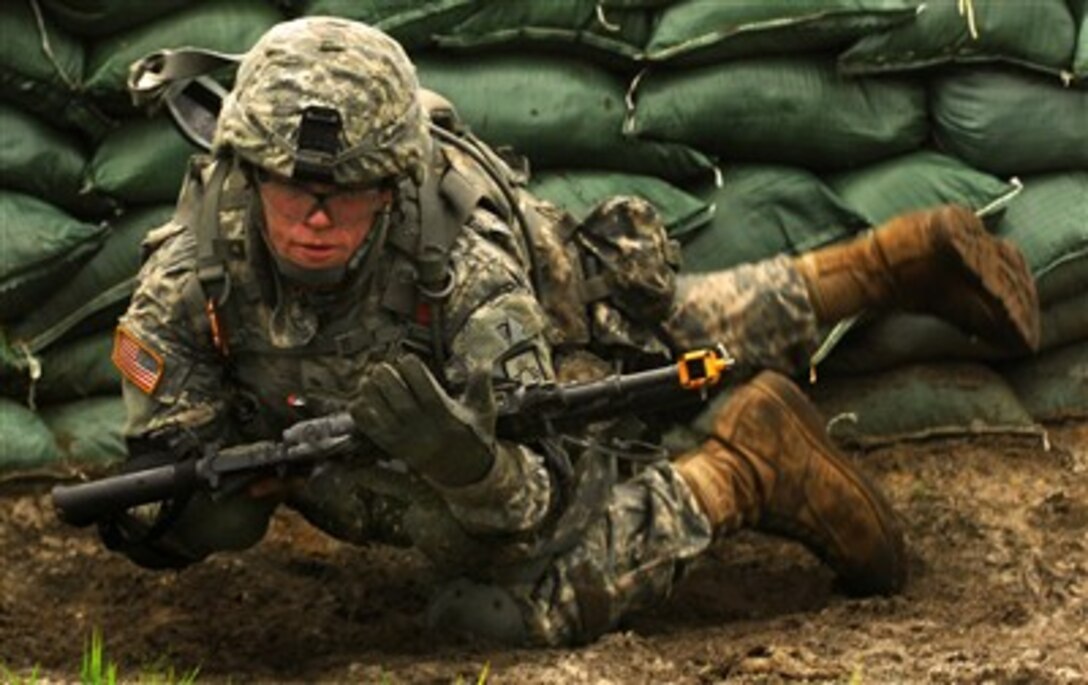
(468, 608)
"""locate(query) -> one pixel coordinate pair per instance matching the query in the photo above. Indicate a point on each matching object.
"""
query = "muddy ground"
(998, 530)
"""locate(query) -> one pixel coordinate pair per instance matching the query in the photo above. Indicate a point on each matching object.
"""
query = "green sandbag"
(46, 83)
(143, 162)
(81, 368)
(901, 338)
(64, 372)
(559, 112)
(96, 18)
(25, 440)
(916, 181)
(1053, 386)
(580, 191)
(1064, 322)
(781, 110)
(921, 401)
(24, 63)
(413, 24)
(97, 293)
(41, 247)
(573, 26)
(1049, 221)
(89, 431)
(761, 211)
(707, 31)
(1038, 33)
(231, 26)
(1008, 121)
(39, 160)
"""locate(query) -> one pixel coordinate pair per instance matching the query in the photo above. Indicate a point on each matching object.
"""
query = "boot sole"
(883, 581)
(1004, 277)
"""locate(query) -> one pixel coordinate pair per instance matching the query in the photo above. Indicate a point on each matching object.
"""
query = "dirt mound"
(998, 532)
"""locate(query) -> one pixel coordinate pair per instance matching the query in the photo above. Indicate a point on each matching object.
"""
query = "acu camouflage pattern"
(612, 282)
(631, 552)
(628, 557)
(625, 239)
(608, 280)
(632, 555)
(189, 395)
(761, 312)
(327, 62)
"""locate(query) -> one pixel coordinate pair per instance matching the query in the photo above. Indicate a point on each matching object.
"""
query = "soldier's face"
(316, 225)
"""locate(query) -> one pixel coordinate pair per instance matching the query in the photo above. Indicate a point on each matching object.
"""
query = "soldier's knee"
(465, 607)
(499, 614)
(230, 524)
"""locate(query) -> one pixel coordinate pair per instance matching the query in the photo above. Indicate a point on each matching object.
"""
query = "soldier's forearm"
(512, 498)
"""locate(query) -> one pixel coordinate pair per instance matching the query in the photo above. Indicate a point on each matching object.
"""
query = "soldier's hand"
(401, 407)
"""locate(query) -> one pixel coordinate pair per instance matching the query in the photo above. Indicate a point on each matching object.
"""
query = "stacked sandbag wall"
(84, 175)
(757, 128)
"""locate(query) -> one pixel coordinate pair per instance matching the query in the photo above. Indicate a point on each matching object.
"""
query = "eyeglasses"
(298, 203)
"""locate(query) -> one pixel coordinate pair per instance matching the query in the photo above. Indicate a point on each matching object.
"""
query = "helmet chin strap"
(333, 275)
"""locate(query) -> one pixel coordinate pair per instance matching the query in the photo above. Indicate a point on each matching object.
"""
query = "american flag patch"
(137, 362)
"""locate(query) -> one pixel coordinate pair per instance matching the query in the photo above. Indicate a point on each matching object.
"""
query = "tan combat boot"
(940, 261)
(769, 466)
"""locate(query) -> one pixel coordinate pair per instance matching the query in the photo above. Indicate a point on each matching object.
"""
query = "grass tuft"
(96, 669)
(485, 673)
(9, 677)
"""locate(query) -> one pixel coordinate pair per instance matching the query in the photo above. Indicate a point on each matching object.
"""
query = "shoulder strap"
(445, 204)
(200, 208)
(446, 200)
(211, 258)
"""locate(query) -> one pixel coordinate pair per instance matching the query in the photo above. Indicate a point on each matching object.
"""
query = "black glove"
(138, 533)
(401, 407)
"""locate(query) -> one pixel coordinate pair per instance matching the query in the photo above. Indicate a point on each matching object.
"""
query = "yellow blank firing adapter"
(703, 368)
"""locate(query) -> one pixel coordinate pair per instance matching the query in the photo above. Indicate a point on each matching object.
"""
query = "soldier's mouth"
(315, 252)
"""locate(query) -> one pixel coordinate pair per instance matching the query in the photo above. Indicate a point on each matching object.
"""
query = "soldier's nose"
(319, 218)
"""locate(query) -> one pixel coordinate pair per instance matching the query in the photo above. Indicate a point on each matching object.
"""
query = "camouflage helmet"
(323, 98)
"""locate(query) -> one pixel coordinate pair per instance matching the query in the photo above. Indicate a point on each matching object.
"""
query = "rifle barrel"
(85, 503)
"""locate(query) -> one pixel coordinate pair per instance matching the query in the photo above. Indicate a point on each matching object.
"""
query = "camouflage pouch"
(630, 267)
(630, 258)
(610, 278)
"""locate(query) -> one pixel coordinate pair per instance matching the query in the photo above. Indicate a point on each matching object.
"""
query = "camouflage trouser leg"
(761, 313)
(332, 499)
(628, 559)
(339, 499)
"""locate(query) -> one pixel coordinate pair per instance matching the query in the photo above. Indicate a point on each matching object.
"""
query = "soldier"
(337, 251)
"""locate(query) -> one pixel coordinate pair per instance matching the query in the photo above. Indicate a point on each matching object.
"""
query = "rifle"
(525, 413)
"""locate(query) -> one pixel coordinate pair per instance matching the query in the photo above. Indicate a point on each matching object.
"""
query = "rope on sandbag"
(999, 204)
(833, 338)
(967, 8)
(34, 369)
(47, 48)
(629, 102)
(603, 20)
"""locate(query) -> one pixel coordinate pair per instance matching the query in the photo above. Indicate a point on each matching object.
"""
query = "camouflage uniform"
(564, 557)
